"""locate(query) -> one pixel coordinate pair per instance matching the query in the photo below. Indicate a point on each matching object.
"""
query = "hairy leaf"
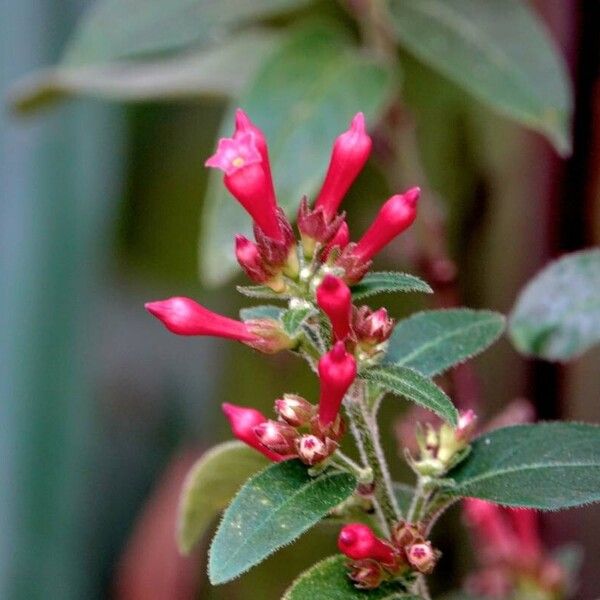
(410, 384)
(264, 311)
(328, 580)
(220, 71)
(497, 51)
(116, 29)
(432, 341)
(271, 510)
(210, 485)
(557, 315)
(293, 319)
(303, 97)
(546, 466)
(260, 291)
(385, 281)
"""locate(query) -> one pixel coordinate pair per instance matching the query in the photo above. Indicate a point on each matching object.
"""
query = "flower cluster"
(373, 559)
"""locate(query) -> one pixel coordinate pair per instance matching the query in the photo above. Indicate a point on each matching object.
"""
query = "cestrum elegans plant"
(359, 355)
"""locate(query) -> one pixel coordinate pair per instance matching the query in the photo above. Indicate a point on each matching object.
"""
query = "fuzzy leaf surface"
(557, 315)
(293, 318)
(271, 510)
(260, 291)
(328, 580)
(118, 29)
(410, 384)
(210, 485)
(379, 282)
(547, 466)
(264, 311)
(499, 52)
(303, 97)
(432, 341)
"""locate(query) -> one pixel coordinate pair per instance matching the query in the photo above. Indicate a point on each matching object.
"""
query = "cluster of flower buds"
(374, 560)
(441, 449)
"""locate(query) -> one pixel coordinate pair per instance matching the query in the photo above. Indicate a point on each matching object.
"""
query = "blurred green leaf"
(557, 315)
(293, 319)
(303, 97)
(328, 580)
(497, 51)
(547, 466)
(210, 485)
(404, 494)
(263, 311)
(117, 29)
(220, 71)
(387, 281)
(435, 340)
(261, 291)
(410, 384)
(271, 510)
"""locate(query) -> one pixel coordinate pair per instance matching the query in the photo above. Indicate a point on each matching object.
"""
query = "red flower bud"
(335, 299)
(243, 421)
(337, 371)
(357, 541)
(249, 258)
(371, 327)
(467, 422)
(183, 316)
(367, 574)
(294, 410)
(278, 437)
(312, 450)
(349, 155)
(422, 557)
(247, 177)
(396, 215)
(340, 240)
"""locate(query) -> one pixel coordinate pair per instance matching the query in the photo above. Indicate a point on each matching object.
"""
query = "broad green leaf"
(328, 580)
(404, 494)
(303, 97)
(260, 291)
(546, 466)
(117, 29)
(410, 384)
(271, 510)
(432, 341)
(293, 319)
(497, 51)
(210, 485)
(220, 71)
(557, 315)
(264, 311)
(379, 282)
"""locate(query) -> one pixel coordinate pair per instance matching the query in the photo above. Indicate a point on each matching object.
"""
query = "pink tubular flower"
(396, 215)
(249, 258)
(248, 179)
(337, 371)
(184, 316)
(335, 299)
(243, 421)
(357, 541)
(349, 155)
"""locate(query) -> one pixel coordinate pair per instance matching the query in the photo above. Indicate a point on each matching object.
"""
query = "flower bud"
(355, 267)
(467, 422)
(357, 541)
(406, 534)
(243, 421)
(294, 410)
(371, 327)
(452, 441)
(279, 255)
(276, 436)
(367, 574)
(340, 240)
(334, 430)
(314, 226)
(249, 258)
(422, 557)
(350, 153)
(184, 316)
(396, 215)
(337, 371)
(335, 299)
(247, 177)
(269, 336)
(312, 450)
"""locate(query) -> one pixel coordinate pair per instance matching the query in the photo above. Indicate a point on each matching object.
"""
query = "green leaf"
(264, 311)
(303, 97)
(557, 315)
(293, 319)
(497, 51)
(546, 466)
(328, 580)
(404, 494)
(260, 291)
(432, 341)
(210, 485)
(410, 384)
(117, 29)
(219, 71)
(271, 510)
(385, 281)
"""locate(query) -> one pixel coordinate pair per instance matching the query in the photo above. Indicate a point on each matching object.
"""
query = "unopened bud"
(407, 534)
(422, 557)
(357, 541)
(367, 574)
(312, 450)
(371, 327)
(278, 437)
(294, 410)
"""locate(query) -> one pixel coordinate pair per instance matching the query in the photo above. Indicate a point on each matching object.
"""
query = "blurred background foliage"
(107, 204)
